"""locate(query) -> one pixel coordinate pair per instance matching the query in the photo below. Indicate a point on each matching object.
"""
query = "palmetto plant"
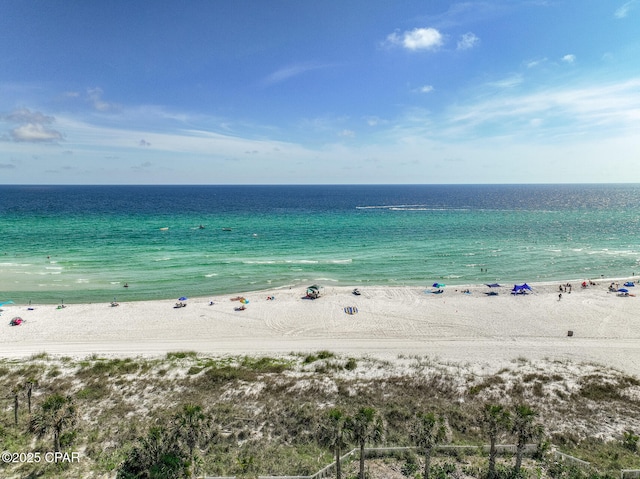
(429, 430)
(55, 414)
(525, 429)
(332, 434)
(155, 456)
(362, 428)
(191, 429)
(496, 420)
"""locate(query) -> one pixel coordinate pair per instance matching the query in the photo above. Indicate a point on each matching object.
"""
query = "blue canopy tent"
(521, 288)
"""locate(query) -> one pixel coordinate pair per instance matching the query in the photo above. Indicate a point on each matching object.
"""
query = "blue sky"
(345, 91)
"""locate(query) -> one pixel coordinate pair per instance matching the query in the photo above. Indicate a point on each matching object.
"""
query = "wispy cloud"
(468, 41)
(291, 71)
(426, 89)
(417, 39)
(576, 110)
(535, 63)
(509, 82)
(570, 58)
(623, 11)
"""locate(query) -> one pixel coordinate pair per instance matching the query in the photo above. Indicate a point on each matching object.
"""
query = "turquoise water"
(82, 244)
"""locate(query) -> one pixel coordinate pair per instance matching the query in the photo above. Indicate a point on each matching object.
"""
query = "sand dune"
(389, 321)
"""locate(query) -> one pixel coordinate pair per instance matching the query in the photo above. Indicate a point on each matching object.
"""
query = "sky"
(319, 92)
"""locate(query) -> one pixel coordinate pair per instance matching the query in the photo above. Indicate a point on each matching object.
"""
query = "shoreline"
(386, 322)
(68, 298)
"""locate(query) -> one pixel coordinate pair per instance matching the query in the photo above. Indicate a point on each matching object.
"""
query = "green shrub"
(410, 467)
(630, 440)
(181, 354)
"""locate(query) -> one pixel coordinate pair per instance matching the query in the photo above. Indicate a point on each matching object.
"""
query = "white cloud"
(426, 89)
(94, 95)
(372, 120)
(570, 58)
(417, 39)
(32, 126)
(347, 133)
(535, 63)
(623, 11)
(34, 132)
(467, 41)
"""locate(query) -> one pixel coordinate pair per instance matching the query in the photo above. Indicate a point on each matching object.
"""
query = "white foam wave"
(419, 207)
(383, 207)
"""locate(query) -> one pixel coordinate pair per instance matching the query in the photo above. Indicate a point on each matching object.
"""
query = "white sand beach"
(390, 321)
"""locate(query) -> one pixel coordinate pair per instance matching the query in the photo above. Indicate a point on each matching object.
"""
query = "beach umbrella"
(438, 285)
(182, 298)
(623, 290)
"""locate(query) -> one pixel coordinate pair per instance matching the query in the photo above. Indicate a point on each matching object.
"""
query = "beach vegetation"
(351, 364)
(268, 415)
(429, 431)
(55, 415)
(39, 356)
(630, 440)
(332, 435)
(525, 429)
(265, 364)
(181, 355)
(364, 427)
(194, 370)
(495, 420)
(324, 354)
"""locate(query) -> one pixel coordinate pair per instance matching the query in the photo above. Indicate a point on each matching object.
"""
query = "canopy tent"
(521, 288)
(313, 291)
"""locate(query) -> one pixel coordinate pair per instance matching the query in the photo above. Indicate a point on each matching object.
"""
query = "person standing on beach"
(559, 296)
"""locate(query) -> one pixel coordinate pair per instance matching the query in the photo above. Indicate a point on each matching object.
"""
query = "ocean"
(84, 243)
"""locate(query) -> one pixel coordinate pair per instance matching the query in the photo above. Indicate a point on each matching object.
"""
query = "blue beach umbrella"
(182, 298)
(623, 290)
(438, 285)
